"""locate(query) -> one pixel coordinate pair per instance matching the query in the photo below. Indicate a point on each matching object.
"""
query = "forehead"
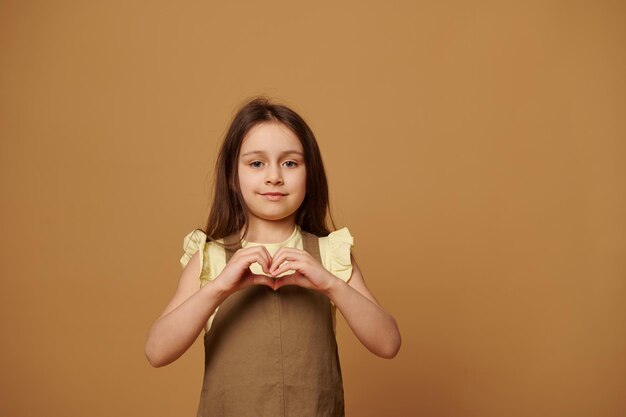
(270, 137)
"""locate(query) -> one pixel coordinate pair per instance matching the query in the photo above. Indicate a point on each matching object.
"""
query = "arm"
(184, 317)
(372, 325)
(190, 308)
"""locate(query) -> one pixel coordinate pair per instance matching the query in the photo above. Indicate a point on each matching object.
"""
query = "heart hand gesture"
(308, 272)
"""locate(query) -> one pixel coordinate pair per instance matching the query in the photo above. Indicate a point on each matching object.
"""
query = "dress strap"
(231, 245)
(310, 243)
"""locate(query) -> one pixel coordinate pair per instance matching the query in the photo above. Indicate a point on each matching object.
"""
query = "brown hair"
(228, 212)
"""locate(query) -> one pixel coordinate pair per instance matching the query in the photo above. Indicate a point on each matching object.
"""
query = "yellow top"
(334, 253)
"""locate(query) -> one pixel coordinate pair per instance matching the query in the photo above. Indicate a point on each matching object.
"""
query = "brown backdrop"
(475, 150)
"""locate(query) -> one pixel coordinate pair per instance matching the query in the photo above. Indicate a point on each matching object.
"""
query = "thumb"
(292, 279)
(257, 279)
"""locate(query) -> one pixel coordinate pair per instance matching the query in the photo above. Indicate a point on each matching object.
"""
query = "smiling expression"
(272, 174)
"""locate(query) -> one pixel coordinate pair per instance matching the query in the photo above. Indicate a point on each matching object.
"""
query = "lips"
(273, 196)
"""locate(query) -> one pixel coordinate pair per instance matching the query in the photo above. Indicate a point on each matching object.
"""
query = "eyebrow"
(263, 153)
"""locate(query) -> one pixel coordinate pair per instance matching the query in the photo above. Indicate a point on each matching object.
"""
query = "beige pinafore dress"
(272, 353)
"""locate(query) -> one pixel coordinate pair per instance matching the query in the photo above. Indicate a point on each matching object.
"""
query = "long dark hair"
(228, 212)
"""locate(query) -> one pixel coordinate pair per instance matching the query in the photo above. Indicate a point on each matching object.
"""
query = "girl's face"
(272, 175)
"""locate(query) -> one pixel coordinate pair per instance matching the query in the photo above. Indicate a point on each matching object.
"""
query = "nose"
(274, 176)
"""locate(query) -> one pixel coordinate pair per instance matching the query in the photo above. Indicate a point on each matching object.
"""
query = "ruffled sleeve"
(335, 253)
(194, 242)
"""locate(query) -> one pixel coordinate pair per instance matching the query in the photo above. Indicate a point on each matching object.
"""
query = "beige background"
(475, 150)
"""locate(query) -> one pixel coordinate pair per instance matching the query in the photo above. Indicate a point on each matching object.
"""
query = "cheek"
(245, 182)
(244, 187)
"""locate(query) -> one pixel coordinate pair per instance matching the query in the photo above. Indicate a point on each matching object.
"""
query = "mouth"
(273, 196)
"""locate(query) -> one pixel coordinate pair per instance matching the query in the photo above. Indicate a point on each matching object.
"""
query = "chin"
(275, 218)
(272, 215)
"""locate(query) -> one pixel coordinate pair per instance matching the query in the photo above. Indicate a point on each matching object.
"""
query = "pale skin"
(273, 162)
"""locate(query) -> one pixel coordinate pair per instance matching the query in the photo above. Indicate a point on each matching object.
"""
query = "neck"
(274, 231)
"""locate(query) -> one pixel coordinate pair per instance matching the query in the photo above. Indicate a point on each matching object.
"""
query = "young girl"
(265, 279)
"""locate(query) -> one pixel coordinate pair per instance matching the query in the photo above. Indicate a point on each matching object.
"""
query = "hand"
(237, 275)
(308, 272)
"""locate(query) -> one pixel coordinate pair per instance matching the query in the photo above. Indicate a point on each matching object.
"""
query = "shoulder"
(342, 236)
(209, 255)
(335, 250)
(193, 242)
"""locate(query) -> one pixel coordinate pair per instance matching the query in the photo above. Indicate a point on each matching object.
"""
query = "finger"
(283, 281)
(277, 254)
(263, 257)
(251, 278)
(288, 266)
(258, 255)
(262, 280)
(266, 257)
(284, 257)
(294, 279)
